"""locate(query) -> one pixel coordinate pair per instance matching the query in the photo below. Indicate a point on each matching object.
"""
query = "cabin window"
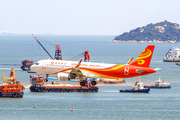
(37, 63)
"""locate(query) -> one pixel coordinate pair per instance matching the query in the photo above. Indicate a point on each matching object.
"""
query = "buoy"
(160, 98)
(35, 106)
(72, 110)
(61, 95)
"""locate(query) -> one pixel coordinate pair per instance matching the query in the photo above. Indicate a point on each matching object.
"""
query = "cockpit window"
(37, 63)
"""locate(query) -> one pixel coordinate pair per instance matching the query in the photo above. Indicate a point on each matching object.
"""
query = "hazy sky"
(84, 17)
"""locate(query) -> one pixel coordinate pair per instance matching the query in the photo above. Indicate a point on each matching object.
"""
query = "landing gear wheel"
(82, 83)
(46, 80)
(93, 82)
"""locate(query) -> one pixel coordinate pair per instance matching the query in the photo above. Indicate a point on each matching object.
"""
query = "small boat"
(159, 84)
(172, 55)
(8, 32)
(26, 64)
(137, 88)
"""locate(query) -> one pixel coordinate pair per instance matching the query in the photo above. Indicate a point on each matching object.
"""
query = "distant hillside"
(162, 31)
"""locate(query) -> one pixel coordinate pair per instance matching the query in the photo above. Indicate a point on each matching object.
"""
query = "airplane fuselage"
(91, 69)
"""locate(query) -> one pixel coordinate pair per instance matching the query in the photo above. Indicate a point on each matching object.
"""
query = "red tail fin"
(144, 58)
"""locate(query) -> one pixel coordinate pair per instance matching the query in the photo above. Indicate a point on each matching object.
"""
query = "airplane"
(87, 71)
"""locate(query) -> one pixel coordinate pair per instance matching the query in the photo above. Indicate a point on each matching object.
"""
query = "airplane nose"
(32, 68)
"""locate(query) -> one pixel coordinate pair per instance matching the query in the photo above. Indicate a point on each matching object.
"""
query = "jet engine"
(63, 77)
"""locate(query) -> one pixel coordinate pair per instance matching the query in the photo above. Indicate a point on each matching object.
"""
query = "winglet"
(79, 63)
(129, 62)
(144, 58)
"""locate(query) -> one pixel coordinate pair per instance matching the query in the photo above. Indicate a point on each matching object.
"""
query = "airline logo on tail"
(144, 58)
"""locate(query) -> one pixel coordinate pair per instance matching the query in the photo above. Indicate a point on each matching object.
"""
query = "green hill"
(162, 31)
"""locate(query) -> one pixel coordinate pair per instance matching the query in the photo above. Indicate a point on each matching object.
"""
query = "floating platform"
(63, 89)
(158, 87)
(145, 90)
(38, 85)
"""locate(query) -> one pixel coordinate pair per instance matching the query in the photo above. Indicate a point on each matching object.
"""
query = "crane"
(42, 46)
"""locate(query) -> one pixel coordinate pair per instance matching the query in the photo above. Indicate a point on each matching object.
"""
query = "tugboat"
(11, 87)
(172, 55)
(137, 88)
(159, 84)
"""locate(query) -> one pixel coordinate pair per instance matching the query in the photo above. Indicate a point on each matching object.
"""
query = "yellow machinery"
(12, 77)
(138, 79)
(6, 80)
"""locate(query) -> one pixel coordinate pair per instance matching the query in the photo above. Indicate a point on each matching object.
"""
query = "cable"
(77, 57)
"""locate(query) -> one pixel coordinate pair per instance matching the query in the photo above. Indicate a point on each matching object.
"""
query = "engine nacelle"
(63, 77)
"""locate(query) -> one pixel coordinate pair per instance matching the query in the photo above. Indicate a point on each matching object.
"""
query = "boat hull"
(145, 90)
(158, 87)
(171, 60)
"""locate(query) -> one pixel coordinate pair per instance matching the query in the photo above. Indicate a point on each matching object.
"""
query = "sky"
(84, 17)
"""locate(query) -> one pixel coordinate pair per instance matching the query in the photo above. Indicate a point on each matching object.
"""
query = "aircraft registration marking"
(126, 71)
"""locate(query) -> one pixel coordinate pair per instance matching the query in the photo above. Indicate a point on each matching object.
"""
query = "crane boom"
(4, 78)
(41, 45)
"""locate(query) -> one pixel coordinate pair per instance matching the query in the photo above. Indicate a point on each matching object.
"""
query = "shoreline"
(144, 41)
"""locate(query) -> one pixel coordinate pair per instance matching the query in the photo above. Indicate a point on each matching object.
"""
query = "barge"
(38, 85)
(14, 90)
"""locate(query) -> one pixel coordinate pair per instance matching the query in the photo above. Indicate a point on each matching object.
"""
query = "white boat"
(172, 55)
(8, 32)
(159, 83)
(138, 86)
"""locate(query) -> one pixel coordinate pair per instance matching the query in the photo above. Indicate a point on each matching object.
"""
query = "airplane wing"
(76, 73)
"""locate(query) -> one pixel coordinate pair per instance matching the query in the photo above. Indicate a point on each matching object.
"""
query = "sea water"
(107, 103)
